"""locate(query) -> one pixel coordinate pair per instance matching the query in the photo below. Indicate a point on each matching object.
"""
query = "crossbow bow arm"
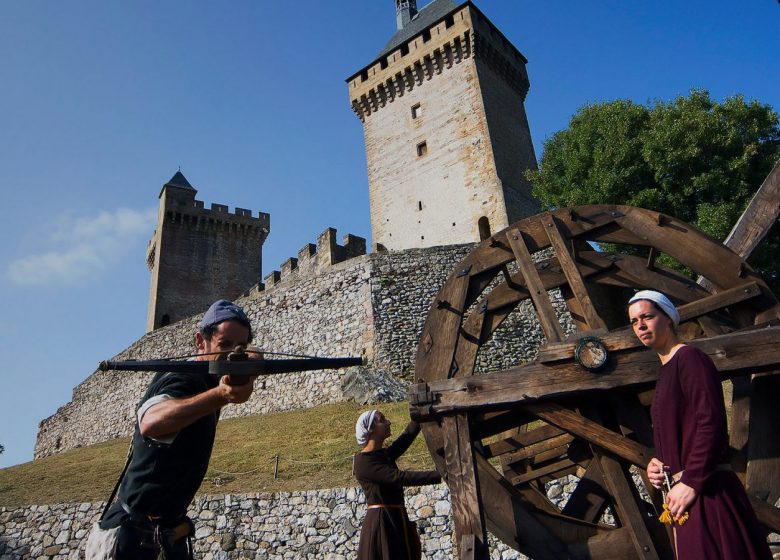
(242, 367)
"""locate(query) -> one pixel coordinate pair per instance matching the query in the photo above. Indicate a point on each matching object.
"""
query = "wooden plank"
(519, 440)
(468, 547)
(535, 450)
(467, 511)
(573, 276)
(737, 353)
(591, 431)
(440, 332)
(758, 218)
(469, 340)
(550, 454)
(541, 471)
(626, 505)
(768, 516)
(544, 308)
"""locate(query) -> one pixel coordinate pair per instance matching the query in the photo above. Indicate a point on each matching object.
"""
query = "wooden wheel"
(581, 407)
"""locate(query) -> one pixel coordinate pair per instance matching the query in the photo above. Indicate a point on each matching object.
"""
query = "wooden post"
(467, 513)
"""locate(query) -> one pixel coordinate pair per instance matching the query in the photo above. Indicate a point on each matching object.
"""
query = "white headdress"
(363, 426)
(661, 301)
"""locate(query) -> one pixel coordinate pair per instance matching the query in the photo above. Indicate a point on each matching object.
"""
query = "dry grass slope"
(314, 446)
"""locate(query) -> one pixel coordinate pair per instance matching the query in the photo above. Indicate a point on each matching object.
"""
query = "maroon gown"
(386, 532)
(690, 435)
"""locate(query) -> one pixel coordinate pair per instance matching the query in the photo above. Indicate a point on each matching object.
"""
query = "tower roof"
(425, 18)
(179, 180)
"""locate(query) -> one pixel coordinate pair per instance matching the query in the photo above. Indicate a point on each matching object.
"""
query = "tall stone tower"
(197, 255)
(447, 138)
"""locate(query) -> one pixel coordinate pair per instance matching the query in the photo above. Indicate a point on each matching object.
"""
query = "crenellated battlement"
(314, 258)
(460, 35)
(181, 207)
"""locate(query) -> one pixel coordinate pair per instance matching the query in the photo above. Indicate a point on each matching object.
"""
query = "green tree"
(693, 158)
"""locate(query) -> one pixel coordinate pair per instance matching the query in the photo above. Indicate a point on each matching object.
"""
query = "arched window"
(484, 228)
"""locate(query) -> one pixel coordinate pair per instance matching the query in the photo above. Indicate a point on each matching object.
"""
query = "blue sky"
(101, 102)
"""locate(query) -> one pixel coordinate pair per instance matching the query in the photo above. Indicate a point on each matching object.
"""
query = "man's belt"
(389, 506)
(174, 532)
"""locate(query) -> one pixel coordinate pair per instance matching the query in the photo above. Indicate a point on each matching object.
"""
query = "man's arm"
(172, 415)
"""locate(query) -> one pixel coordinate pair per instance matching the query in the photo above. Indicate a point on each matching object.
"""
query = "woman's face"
(650, 325)
(381, 426)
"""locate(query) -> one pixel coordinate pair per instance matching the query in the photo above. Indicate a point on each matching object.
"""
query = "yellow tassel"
(667, 517)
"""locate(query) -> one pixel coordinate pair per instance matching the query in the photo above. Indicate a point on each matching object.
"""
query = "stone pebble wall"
(374, 305)
(316, 524)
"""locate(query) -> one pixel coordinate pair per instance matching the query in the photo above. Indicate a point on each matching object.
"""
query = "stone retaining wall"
(310, 525)
(316, 524)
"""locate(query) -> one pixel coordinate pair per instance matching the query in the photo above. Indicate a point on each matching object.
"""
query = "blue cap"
(223, 310)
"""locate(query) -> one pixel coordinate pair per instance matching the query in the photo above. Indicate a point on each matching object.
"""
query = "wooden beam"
(467, 512)
(573, 276)
(440, 332)
(628, 511)
(592, 432)
(758, 218)
(534, 451)
(541, 471)
(519, 440)
(544, 308)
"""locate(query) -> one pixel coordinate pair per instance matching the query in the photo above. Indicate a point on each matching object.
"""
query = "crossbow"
(240, 362)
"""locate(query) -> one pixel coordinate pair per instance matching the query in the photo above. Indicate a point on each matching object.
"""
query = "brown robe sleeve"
(378, 470)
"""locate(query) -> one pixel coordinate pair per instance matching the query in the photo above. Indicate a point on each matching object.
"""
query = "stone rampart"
(373, 305)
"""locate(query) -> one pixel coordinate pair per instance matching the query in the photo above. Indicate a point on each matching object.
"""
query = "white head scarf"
(661, 301)
(363, 426)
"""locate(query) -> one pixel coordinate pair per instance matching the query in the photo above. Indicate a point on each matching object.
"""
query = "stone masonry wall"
(310, 525)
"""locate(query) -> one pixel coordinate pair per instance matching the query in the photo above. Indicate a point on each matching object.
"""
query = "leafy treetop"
(693, 158)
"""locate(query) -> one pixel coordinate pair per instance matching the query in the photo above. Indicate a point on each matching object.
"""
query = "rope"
(300, 462)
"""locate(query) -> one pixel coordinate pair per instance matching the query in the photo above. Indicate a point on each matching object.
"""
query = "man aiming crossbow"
(171, 448)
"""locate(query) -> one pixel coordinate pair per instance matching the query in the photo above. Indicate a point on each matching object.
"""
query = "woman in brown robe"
(387, 533)
(691, 444)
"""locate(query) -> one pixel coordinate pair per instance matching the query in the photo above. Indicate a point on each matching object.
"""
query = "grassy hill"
(314, 449)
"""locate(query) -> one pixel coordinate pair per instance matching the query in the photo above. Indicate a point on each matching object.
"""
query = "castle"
(447, 142)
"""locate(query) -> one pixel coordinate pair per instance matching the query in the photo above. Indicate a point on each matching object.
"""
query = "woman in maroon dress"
(691, 443)
(387, 533)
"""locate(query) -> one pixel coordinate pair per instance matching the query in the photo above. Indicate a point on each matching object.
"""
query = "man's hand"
(655, 472)
(680, 499)
(236, 393)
